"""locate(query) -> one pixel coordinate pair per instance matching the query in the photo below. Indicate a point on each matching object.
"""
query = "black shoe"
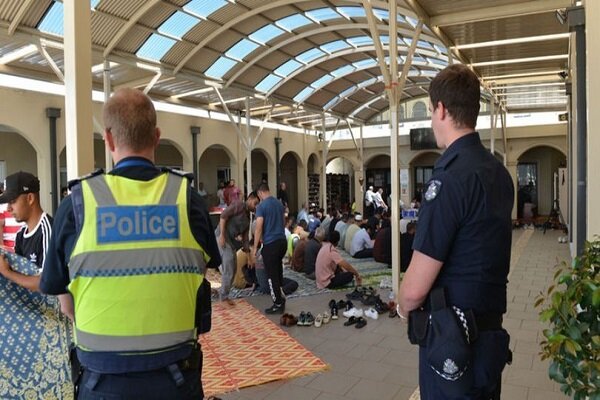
(276, 309)
(349, 305)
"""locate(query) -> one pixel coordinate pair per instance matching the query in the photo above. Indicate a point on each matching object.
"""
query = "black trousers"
(272, 254)
(364, 253)
(341, 278)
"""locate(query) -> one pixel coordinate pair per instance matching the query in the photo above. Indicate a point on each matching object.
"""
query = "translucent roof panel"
(358, 41)
(322, 81)
(352, 12)
(331, 103)
(267, 84)
(322, 14)
(266, 34)
(53, 20)
(348, 91)
(366, 63)
(204, 8)
(94, 3)
(241, 49)
(287, 68)
(178, 24)
(381, 14)
(300, 97)
(437, 61)
(412, 21)
(345, 70)
(425, 44)
(337, 45)
(293, 21)
(310, 55)
(220, 67)
(155, 47)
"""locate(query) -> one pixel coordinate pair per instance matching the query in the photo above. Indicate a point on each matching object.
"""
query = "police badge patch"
(433, 190)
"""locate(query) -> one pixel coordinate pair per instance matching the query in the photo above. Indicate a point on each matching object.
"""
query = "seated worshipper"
(303, 213)
(406, 244)
(311, 251)
(382, 249)
(314, 221)
(335, 218)
(328, 219)
(234, 224)
(362, 244)
(289, 226)
(331, 270)
(351, 231)
(298, 232)
(341, 227)
(297, 262)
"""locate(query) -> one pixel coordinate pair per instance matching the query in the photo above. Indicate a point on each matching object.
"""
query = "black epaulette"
(184, 174)
(73, 182)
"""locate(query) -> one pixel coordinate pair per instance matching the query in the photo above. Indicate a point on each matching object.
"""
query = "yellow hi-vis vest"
(136, 267)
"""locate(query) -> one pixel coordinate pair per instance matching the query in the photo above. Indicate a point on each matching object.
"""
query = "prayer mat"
(34, 340)
(244, 348)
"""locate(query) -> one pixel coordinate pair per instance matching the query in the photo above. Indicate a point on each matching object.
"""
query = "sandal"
(360, 323)
(351, 321)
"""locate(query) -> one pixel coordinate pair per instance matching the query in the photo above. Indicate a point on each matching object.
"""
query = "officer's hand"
(5, 269)
(221, 240)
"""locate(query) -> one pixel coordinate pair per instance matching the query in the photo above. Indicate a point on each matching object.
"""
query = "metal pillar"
(53, 114)
(492, 126)
(249, 148)
(277, 155)
(576, 17)
(324, 167)
(78, 88)
(195, 131)
(108, 162)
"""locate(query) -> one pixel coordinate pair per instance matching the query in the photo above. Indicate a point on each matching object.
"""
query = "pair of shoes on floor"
(305, 319)
(275, 309)
(360, 322)
(333, 309)
(371, 313)
(322, 319)
(360, 292)
(353, 312)
(288, 320)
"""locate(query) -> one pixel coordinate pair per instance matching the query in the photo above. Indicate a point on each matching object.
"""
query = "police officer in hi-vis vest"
(131, 248)
(458, 273)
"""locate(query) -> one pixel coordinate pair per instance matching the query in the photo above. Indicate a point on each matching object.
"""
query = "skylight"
(266, 34)
(322, 14)
(203, 8)
(381, 14)
(178, 24)
(358, 41)
(310, 55)
(94, 3)
(220, 67)
(322, 81)
(332, 102)
(287, 68)
(155, 47)
(348, 91)
(352, 12)
(267, 84)
(412, 21)
(53, 20)
(293, 21)
(366, 63)
(304, 93)
(345, 70)
(337, 45)
(241, 49)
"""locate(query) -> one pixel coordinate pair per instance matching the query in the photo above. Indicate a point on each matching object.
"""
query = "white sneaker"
(372, 313)
(326, 317)
(318, 321)
(353, 312)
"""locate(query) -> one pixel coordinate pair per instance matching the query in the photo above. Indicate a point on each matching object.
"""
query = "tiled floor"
(378, 363)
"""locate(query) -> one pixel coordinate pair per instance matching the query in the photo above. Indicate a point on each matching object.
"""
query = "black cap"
(18, 184)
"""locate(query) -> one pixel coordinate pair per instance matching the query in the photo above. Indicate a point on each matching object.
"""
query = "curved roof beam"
(318, 31)
(375, 98)
(128, 25)
(410, 74)
(259, 10)
(403, 49)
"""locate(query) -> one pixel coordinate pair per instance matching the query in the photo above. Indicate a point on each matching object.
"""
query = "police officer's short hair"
(131, 118)
(457, 87)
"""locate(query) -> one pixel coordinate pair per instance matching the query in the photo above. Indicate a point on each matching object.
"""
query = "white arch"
(533, 146)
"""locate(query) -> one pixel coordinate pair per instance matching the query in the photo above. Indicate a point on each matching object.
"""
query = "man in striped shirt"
(22, 196)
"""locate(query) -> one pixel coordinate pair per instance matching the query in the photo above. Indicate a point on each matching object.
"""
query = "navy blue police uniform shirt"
(465, 222)
(55, 277)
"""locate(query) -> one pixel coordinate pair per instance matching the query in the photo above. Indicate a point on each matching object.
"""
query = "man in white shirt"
(362, 244)
(369, 202)
(380, 205)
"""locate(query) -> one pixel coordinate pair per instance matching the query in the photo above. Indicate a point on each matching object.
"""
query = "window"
(419, 110)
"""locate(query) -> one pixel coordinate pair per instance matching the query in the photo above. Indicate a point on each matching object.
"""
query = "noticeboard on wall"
(422, 139)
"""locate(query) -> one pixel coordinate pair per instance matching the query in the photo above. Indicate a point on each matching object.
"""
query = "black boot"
(276, 309)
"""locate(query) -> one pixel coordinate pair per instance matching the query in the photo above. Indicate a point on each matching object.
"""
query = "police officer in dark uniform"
(131, 247)
(463, 241)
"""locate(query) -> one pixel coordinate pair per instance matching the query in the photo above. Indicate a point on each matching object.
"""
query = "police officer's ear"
(109, 140)
(156, 136)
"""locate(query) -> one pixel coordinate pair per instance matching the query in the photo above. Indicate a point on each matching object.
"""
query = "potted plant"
(572, 342)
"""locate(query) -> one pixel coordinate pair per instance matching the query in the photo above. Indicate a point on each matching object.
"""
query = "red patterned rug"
(244, 348)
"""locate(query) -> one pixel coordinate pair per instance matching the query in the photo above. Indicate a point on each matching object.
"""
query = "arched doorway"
(260, 169)
(379, 174)
(422, 168)
(536, 169)
(340, 183)
(99, 160)
(168, 155)
(288, 167)
(214, 169)
(312, 168)
(16, 153)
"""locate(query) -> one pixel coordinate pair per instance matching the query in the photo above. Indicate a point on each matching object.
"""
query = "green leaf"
(550, 289)
(570, 347)
(538, 302)
(547, 314)
(596, 298)
(574, 332)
